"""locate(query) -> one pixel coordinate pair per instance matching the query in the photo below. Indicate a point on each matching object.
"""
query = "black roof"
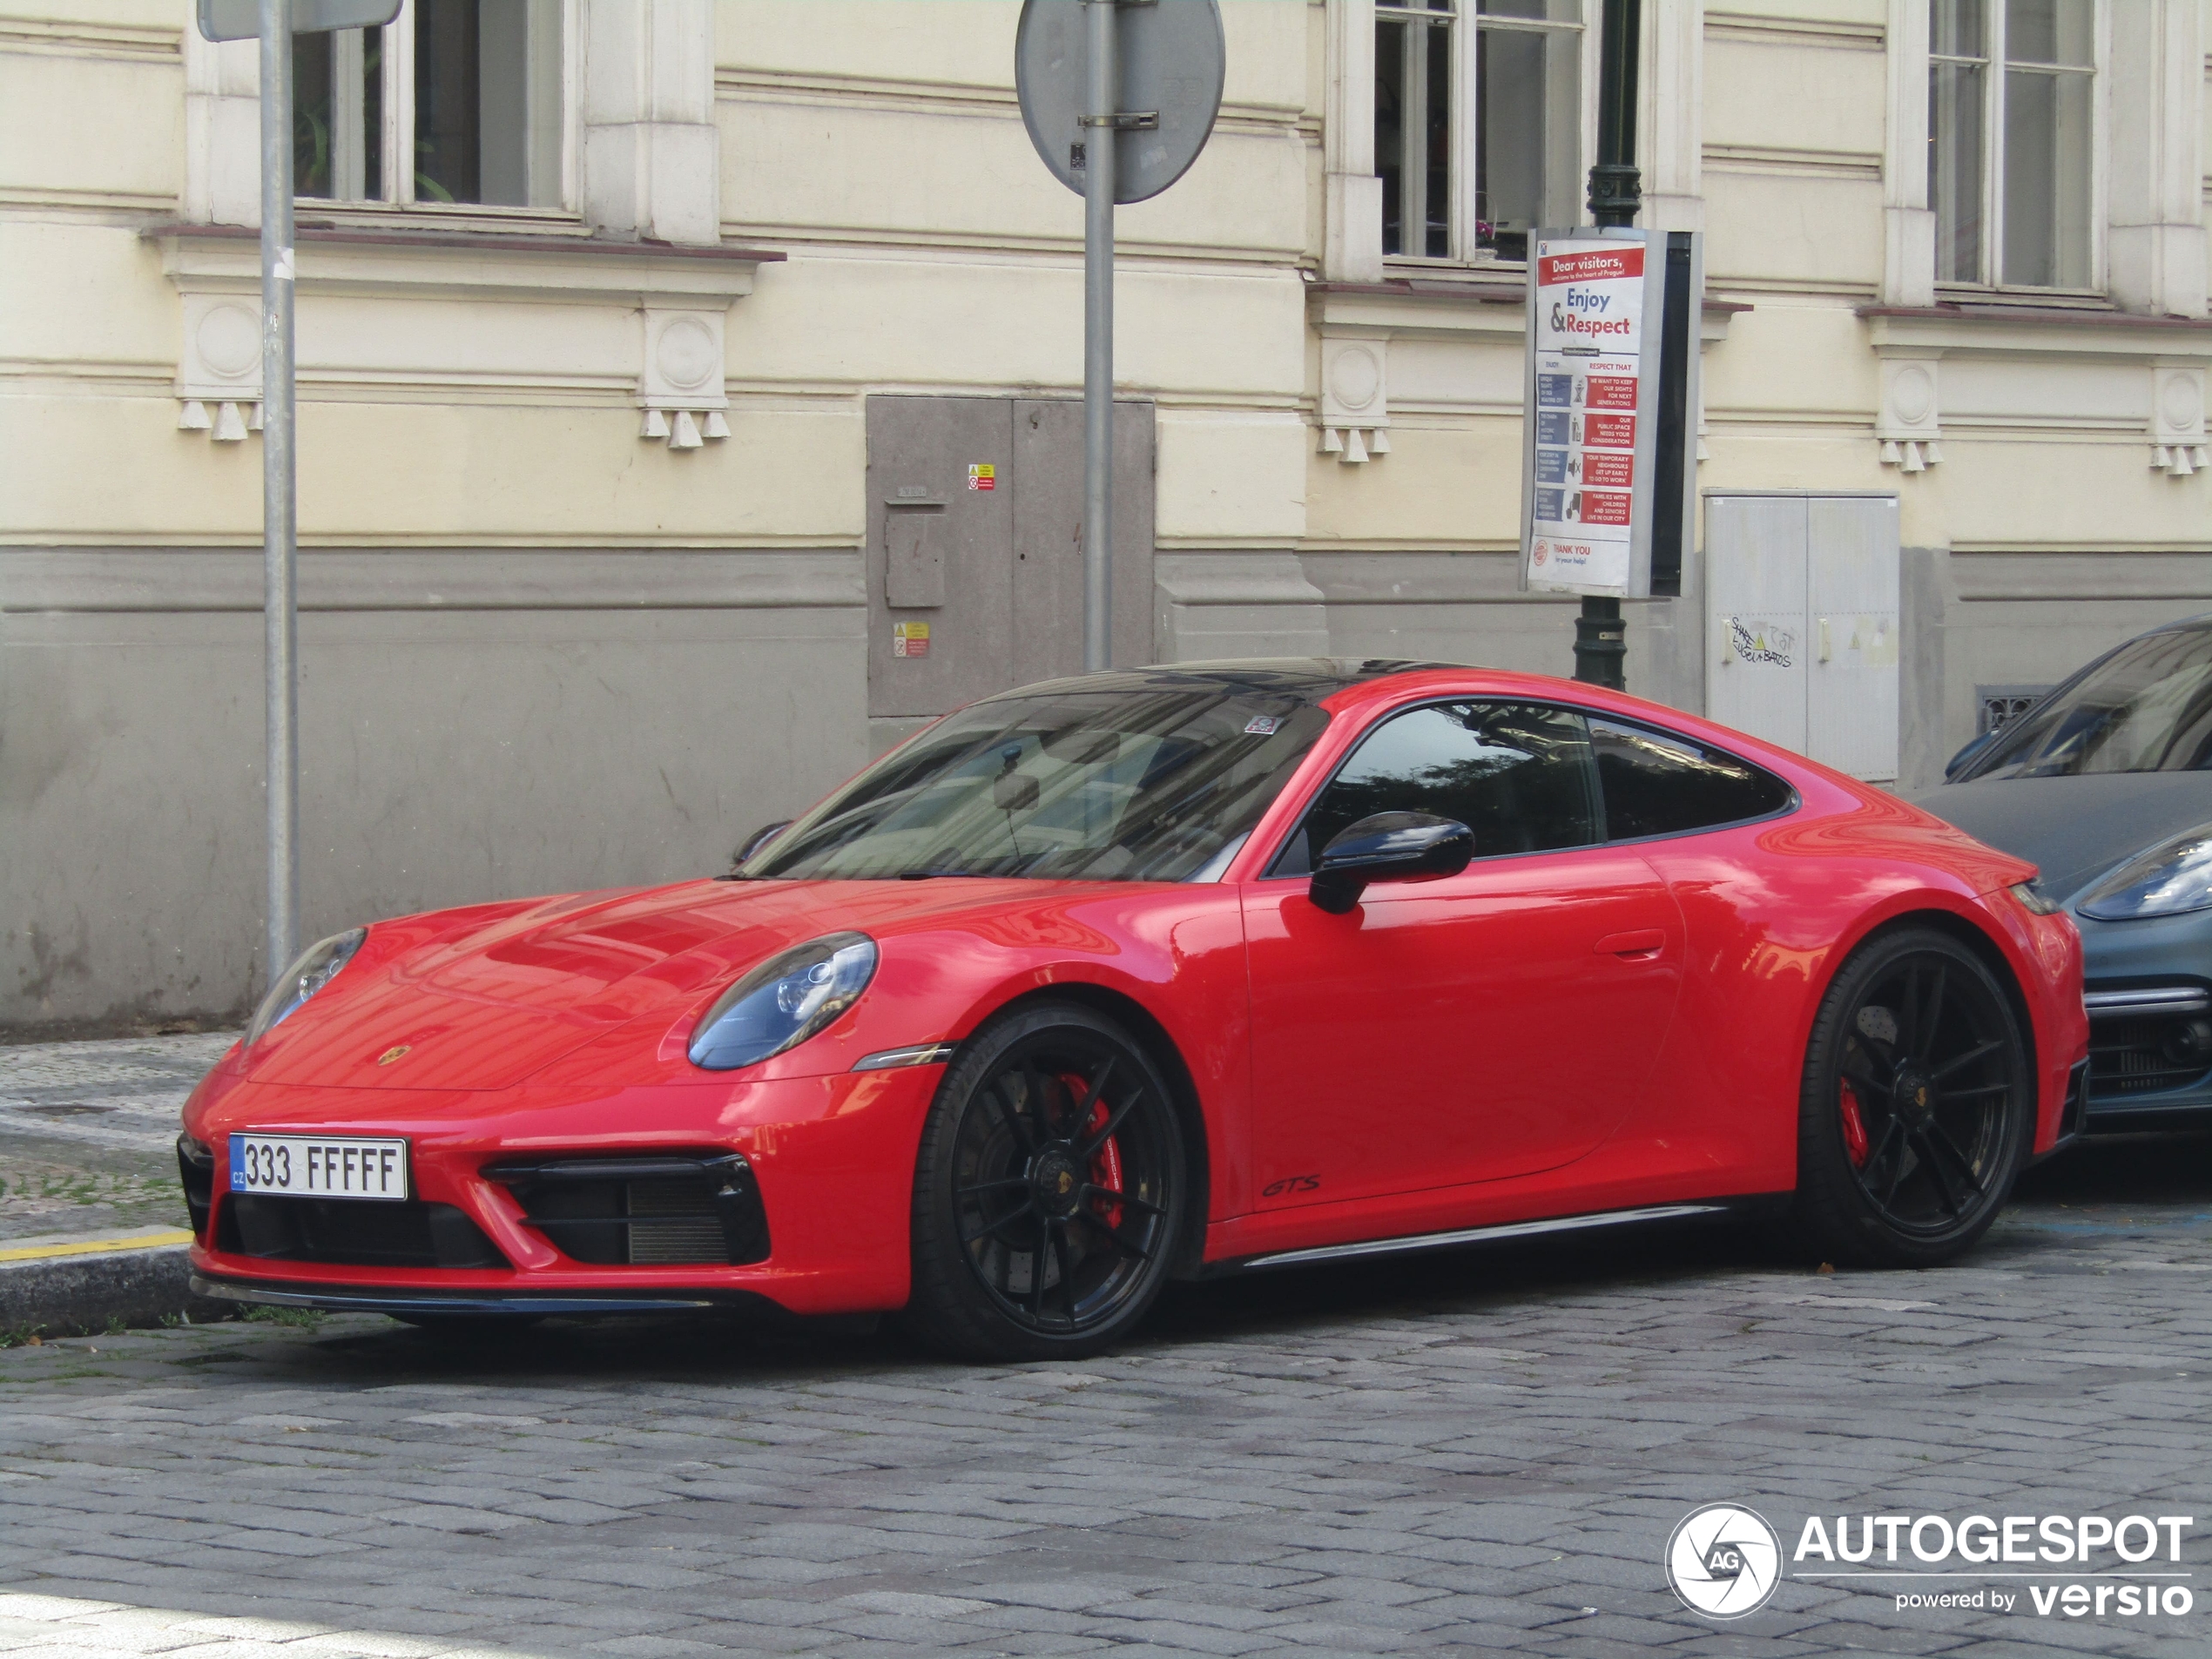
(1309, 678)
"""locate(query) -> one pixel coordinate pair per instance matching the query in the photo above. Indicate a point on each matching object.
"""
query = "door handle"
(1648, 941)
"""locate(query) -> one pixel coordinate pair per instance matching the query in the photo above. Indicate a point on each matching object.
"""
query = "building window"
(1478, 123)
(456, 101)
(2011, 86)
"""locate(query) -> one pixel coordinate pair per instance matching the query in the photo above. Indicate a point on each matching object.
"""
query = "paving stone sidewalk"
(1468, 1454)
(88, 1132)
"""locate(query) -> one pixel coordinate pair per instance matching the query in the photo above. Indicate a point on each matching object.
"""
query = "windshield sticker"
(1264, 726)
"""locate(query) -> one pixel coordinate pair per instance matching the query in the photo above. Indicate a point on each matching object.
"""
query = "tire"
(1049, 1195)
(1917, 1107)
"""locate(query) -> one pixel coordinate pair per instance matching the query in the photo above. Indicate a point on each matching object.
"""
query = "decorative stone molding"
(1908, 428)
(2023, 343)
(579, 320)
(218, 377)
(2177, 445)
(681, 389)
(1355, 395)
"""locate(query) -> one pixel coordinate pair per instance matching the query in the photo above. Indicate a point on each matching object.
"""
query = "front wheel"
(1918, 1108)
(1049, 1198)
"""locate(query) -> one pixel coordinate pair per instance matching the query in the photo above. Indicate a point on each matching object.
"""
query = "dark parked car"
(2106, 784)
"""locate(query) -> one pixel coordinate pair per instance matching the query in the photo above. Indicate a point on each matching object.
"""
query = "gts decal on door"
(1290, 1185)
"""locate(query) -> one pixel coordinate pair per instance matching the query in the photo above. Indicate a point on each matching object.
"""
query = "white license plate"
(319, 1166)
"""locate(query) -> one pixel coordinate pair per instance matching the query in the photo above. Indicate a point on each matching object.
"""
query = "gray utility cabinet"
(975, 508)
(1802, 627)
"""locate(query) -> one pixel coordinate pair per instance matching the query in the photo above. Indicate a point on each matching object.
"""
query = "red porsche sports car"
(1151, 974)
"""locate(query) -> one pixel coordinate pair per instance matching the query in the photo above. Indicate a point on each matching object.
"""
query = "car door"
(1494, 1023)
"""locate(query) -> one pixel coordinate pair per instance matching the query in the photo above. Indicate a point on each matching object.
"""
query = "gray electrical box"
(975, 547)
(1802, 626)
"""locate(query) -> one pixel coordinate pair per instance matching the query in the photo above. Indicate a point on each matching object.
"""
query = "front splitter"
(368, 1298)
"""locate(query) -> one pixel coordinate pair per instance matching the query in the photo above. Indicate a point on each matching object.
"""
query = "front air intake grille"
(353, 1233)
(196, 1167)
(656, 1210)
(2147, 1054)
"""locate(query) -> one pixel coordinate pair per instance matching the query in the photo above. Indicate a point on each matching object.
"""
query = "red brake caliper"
(1854, 1130)
(1106, 1163)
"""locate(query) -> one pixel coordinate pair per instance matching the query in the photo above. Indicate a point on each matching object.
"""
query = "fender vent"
(651, 1210)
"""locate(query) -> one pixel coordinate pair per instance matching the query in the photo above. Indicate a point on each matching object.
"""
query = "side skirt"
(1477, 1235)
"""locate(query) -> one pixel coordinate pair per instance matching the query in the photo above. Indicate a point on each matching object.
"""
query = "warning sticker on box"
(910, 639)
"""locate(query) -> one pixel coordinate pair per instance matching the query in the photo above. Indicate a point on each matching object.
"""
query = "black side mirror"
(758, 839)
(1388, 846)
(1960, 762)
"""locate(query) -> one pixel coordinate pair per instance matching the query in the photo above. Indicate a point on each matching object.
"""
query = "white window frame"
(396, 188)
(1995, 69)
(1467, 22)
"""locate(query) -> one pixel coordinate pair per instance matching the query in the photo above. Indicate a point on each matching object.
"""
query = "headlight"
(2033, 902)
(783, 1001)
(2171, 879)
(317, 967)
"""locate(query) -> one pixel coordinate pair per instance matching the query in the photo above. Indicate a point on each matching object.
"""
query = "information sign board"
(1608, 391)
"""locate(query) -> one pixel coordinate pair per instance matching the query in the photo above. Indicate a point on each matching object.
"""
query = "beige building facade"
(638, 339)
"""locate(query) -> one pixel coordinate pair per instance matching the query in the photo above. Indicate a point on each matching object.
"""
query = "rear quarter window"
(1656, 783)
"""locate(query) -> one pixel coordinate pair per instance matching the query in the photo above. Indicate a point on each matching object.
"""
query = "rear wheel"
(1049, 1199)
(1918, 1108)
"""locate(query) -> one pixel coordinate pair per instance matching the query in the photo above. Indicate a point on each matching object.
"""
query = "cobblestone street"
(1476, 1452)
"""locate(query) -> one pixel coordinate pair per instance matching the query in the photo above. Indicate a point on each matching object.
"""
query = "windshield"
(1158, 784)
(2148, 707)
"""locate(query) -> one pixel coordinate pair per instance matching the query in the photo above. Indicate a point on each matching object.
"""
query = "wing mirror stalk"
(1388, 846)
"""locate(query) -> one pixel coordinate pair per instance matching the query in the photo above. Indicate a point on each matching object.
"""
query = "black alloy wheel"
(1048, 1195)
(1919, 1105)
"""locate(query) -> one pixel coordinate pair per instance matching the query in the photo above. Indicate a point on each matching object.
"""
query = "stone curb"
(72, 1295)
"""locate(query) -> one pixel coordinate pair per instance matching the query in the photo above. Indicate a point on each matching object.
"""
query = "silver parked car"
(2106, 784)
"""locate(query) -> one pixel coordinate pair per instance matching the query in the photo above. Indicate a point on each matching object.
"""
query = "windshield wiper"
(927, 876)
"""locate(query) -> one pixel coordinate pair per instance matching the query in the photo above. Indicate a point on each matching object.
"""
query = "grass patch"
(298, 1318)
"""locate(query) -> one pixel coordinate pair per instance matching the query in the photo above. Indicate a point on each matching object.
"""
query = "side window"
(1518, 774)
(1657, 783)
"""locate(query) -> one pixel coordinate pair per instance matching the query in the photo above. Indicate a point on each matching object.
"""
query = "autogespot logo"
(1725, 1561)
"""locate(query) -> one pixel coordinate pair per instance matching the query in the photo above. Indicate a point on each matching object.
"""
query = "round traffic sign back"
(1171, 60)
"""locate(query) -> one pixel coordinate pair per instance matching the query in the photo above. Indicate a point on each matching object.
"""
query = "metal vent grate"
(1998, 707)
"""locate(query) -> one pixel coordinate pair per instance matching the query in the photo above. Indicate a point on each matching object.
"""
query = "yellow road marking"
(94, 1246)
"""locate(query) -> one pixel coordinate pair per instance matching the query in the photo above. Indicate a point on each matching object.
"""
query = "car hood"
(2075, 828)
(484, 1005)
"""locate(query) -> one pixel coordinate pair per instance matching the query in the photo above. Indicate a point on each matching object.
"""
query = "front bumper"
(832, 1156)
(2146, 981)
(2150, 1053)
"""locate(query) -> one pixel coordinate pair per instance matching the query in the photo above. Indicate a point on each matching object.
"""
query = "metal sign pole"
(1102, 92)
(279, 527)
(1600, 634)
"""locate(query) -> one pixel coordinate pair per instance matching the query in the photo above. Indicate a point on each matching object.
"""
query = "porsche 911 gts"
(1162, 972)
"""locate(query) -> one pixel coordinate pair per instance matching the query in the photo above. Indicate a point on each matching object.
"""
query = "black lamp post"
(1616, 196)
